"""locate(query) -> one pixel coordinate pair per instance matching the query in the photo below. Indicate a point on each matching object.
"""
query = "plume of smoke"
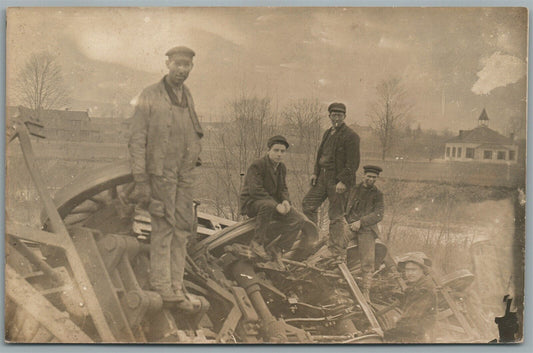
(499, 70)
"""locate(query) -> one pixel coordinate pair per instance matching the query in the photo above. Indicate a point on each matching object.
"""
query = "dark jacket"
(346, 154)
(365, 205)
(260, 183)
(419, 313)
(150, 129)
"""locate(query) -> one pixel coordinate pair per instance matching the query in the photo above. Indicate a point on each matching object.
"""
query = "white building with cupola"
(481, 144)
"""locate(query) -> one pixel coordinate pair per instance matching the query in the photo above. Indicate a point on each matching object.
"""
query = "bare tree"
(234, 147)
(40, 83)
(303, 116)
(388, 113)
(253, 121)
(303, 119)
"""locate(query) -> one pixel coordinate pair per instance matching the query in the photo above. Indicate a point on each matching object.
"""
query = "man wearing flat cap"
(364, 210)
(419, 302)
(265, 196)
(334, 173)
(164, 149)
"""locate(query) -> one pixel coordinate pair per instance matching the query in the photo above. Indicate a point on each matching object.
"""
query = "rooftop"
(481, 134)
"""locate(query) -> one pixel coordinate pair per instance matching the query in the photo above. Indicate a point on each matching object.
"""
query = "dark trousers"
(269, 223)
(322, 190)
(366, 246)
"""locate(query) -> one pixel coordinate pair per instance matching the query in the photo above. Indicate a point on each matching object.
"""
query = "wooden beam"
(55, 321)
(361, 299)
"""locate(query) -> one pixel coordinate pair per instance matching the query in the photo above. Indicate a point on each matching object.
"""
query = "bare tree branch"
(388, 113)
(40, 83)
(242, 140)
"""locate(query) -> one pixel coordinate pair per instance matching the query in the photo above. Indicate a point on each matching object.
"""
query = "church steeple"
(483, 119)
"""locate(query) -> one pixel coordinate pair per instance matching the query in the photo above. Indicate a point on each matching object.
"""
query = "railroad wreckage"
(83, 278)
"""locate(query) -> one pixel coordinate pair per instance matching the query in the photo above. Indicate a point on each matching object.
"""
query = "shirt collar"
(273, 164)
(364, 186)
(334, 129)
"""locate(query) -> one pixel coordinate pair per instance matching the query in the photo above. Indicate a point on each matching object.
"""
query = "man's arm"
(285, 190)
(137, 141)
(351, 146)
(316, 170)
(254, 180)
(376, 215)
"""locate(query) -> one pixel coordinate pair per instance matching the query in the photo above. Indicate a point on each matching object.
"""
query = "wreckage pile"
(84, 278)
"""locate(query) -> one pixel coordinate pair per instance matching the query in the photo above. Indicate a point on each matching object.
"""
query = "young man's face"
(369, 178)
(413, 272)
(336, 118)
(179, 68)
(276, 152)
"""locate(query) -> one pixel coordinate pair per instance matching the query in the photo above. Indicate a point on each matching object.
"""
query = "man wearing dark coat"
(419, 304)
(364, 210)
(265, 196)
(334, 173)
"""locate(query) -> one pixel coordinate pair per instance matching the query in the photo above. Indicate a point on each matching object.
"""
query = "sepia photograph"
(265, 175)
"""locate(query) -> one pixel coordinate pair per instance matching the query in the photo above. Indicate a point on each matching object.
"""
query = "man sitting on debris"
(419, 304)
(364, 210)
(265, 196)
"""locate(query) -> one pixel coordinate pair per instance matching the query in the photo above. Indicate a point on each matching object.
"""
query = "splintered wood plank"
(41, 310)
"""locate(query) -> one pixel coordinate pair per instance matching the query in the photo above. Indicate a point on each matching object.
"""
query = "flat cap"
(337, 107)
(416, 257)
(182, 51)
(372, 169)
(278, 139)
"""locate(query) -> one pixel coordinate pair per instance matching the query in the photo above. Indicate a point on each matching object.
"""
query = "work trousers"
(266, 231)
(172, 215)
(366, 246)
(323, 189)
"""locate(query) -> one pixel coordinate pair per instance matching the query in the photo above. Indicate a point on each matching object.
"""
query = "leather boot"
(183, 302)
(259, 250)
(168, 296)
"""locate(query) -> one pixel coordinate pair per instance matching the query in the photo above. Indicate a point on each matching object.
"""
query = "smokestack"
(461, 132)
(511, 136)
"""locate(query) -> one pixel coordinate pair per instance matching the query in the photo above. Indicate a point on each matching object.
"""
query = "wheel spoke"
(86, 207)
(73, 219)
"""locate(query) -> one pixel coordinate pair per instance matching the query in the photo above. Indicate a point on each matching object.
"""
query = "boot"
(259, 250)
(276, 256)
(183, 303)
(169, 296)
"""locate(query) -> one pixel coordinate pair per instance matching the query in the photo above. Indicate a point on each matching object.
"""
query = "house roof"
(45, 115)
(493, 146)
(482, 134)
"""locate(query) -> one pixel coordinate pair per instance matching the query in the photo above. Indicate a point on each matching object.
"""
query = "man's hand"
(354, 227)
(141, 193)
(283, 208)
(340, 188)
(313, 180)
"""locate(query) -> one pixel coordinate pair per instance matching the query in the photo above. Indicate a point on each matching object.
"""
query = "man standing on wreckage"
(334, 173)
(364, 210)
(164, 149)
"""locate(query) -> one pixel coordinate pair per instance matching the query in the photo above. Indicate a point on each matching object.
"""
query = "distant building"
(76, 126)
(63, 125)
(481, 144)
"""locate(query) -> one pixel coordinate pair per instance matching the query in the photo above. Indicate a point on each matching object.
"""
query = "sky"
(453, 62)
